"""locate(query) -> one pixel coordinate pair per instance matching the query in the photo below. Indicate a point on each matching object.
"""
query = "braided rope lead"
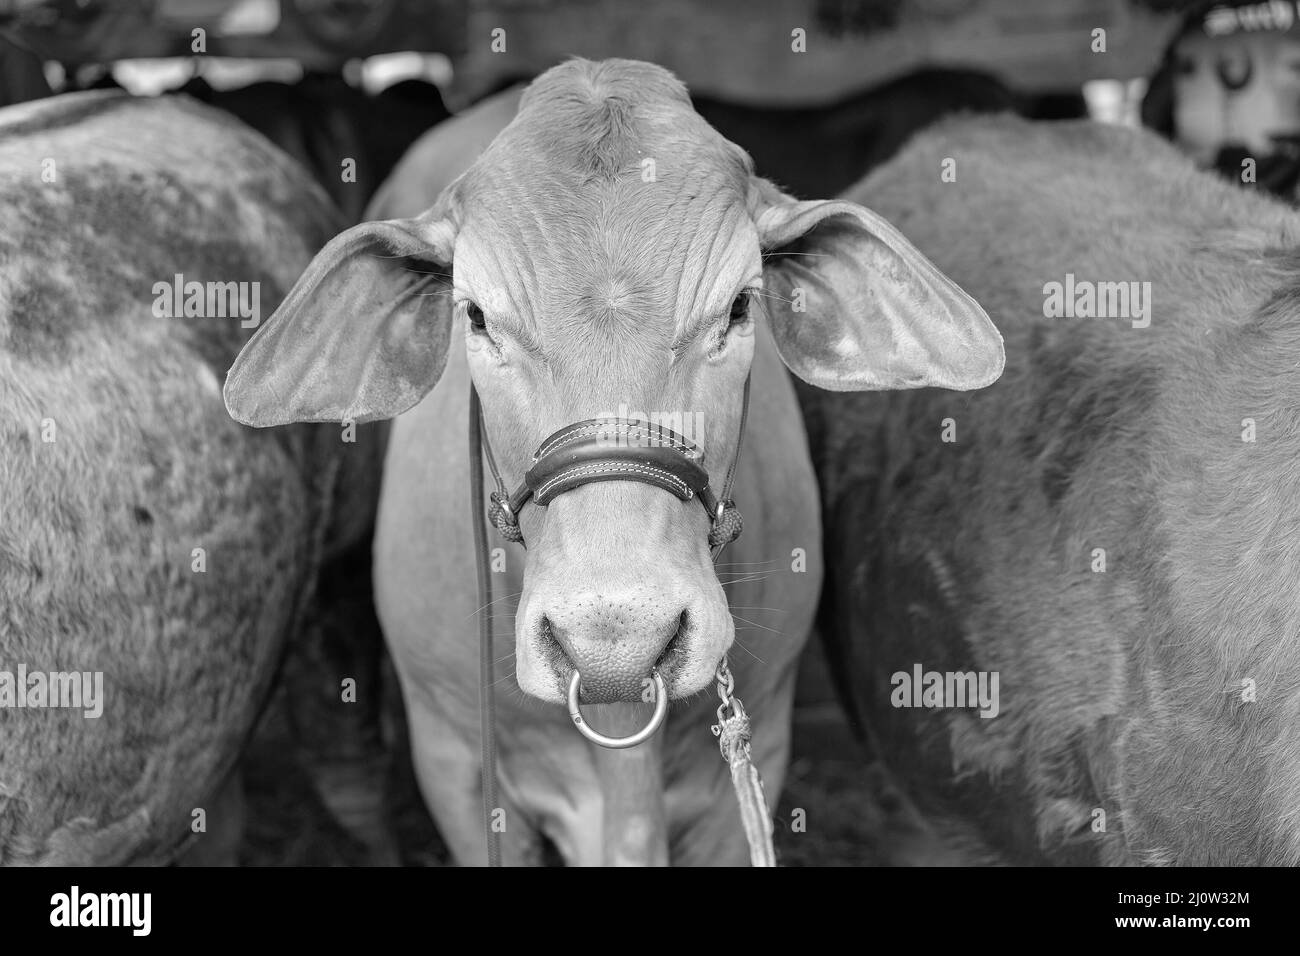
(726, 526)
(483, 576)
(503, 520)
(733, 733)
(733, 729)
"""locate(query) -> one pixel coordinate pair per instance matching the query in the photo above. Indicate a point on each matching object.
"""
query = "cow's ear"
(856, 307)
(362, 335)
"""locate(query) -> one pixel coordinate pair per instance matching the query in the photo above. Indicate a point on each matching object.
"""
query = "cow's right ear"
(362, 335)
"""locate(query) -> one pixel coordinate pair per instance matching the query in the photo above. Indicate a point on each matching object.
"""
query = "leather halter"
(602, 449)
(616, 449)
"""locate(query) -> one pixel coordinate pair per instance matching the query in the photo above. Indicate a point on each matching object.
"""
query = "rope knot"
(733, 735)
(727, 526)
(502, 518)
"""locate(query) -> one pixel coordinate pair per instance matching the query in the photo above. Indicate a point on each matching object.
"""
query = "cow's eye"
(739, 309)
(475, 316)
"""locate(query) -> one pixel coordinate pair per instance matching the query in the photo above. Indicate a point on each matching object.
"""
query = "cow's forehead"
(618, 141)
(681, 215)
(609, 206)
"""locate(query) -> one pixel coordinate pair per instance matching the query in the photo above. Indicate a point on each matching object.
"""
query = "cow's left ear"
(858, 308)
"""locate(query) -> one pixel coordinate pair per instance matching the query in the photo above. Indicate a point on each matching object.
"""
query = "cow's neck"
(633, 824)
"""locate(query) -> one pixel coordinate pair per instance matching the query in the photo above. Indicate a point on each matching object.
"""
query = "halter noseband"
(613, 449)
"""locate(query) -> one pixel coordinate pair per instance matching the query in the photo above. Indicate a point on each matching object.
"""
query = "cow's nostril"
(673, 651)
(553, 651)
(615, 644)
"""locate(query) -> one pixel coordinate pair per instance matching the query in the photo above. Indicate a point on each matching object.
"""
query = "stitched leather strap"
(617, 450)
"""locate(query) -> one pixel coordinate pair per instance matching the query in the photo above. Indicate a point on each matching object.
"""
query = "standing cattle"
(609, 250)
(154, 555)
(1111, 529)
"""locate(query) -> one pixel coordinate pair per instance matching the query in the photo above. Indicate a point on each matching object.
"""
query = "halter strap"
(616, 449)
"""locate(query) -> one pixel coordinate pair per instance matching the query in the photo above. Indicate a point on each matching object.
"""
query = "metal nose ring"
(619, 743)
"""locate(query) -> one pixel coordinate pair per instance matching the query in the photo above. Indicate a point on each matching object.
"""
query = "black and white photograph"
(695, 433)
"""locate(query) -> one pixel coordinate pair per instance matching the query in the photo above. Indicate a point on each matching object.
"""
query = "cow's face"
(608, 261)
(610, 254)
(1240, 91)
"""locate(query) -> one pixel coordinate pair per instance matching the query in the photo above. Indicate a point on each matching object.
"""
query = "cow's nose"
(1235, 69)
(615, 641)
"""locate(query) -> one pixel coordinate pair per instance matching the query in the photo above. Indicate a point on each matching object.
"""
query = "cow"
(1110, 529)
(1226, 92)
(148, 544)
(808, 151)
(607, 248)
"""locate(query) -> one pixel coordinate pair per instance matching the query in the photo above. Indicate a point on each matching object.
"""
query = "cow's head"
(610, 252)
(1229, 87)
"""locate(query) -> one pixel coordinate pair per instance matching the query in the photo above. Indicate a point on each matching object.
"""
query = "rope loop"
(503, 519)
(727, 526)
(734, 734)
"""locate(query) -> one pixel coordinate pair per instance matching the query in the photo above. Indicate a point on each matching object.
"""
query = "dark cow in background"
(821, 151)
(119, 462)
(1112, 527)
(22, 77)
(322, 121)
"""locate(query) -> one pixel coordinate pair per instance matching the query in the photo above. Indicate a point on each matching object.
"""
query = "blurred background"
(736, 50)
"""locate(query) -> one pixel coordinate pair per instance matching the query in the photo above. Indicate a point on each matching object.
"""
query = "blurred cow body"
(119, 464)
(322, 121)
(821, 151)
(1102, 527)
